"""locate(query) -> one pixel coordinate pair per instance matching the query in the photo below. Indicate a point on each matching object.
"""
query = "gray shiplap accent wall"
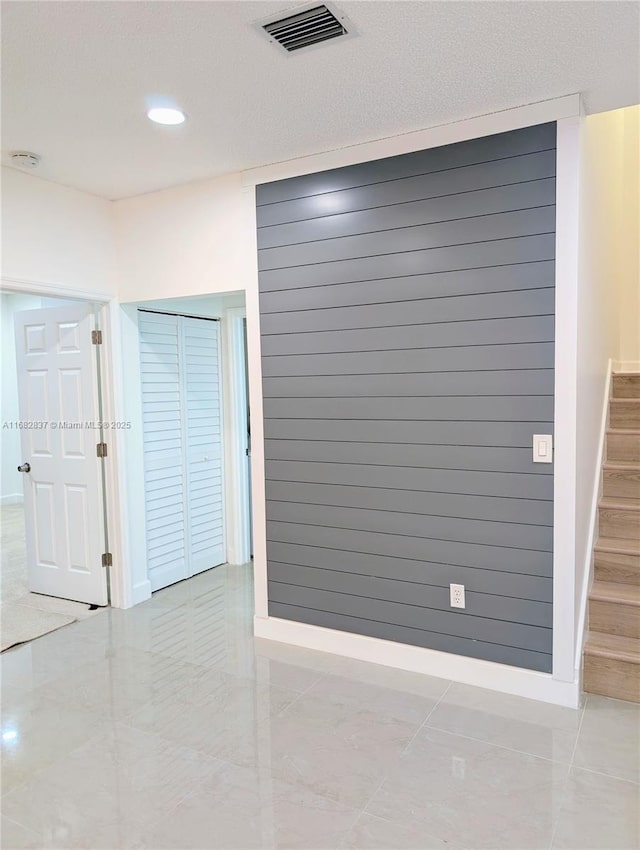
(407, 322)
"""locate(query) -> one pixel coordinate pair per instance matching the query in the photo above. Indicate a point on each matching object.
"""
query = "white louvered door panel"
(203, 443)
(164, 451)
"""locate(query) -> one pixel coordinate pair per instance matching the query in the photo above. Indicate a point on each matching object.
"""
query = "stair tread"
(626, 503)
(613, 646)
(627, 546)
(610, 591)
(626, 466)
(632, 400)
(626, 432)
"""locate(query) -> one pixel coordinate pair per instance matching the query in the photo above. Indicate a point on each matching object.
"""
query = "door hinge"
(107, 559)
(96, 337)
(101, 449)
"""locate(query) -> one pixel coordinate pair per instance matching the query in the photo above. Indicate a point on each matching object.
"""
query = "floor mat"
(20, 623)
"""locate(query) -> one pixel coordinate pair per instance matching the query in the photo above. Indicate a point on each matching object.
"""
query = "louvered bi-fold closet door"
(203, 443)
(180, 375)
(166, 520)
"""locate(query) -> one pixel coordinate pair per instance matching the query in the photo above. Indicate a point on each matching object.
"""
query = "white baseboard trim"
(581, 634)
(141, 592)
(469, 671)
(12, 499)
(626, 365)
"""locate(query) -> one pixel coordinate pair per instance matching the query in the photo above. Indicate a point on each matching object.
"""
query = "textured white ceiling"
(76, 76)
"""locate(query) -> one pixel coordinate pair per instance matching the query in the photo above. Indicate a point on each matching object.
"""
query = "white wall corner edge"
(415, 659)
(581, 634)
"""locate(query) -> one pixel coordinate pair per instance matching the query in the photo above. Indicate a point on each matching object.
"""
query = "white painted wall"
(608, 304)
(185, 241)
(10, 452)
(55, 235)
(629, 348)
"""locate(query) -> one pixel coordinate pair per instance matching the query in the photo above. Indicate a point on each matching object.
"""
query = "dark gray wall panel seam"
(264, 229)
(277, 262)
(442, 551)
(445, 623)
(539, 612)
(372, 231)
(478, 255)
(438, 187)
(475, 151)
(285, 557)
(443, 284)
(260, 190)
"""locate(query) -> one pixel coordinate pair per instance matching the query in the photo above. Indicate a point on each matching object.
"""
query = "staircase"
(612, 649)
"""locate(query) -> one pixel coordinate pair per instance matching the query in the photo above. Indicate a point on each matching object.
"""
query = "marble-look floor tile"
(598, 813)
(14, 836)
(473, 794)
(45, 659)
(106, 793)
(229, 723)
(373, 833)
(37, 731)
(609, 739)
(387, 700)
(337, 751)
(430, 687)
(128, 679)
(526, 725)
(239, 808)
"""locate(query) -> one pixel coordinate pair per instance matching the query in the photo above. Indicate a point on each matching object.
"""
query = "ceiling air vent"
(310, 25)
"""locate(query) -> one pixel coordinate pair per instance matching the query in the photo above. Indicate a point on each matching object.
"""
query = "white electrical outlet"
(456, 595)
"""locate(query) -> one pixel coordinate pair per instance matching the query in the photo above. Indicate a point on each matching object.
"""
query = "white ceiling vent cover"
(307, 26)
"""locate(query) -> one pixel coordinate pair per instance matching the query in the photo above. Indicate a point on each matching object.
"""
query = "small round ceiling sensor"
(166, 115)
(24, 159)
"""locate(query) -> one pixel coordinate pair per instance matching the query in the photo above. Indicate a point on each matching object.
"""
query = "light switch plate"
(542, 448)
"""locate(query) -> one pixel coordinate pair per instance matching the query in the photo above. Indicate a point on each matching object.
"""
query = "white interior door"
(58, 404)
(181, 407)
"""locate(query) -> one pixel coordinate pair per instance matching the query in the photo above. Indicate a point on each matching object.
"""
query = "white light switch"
(542, 448)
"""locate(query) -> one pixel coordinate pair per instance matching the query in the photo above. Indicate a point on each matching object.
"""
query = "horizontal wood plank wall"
(407, 321)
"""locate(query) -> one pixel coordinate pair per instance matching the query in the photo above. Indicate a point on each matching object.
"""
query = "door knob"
(25, 467)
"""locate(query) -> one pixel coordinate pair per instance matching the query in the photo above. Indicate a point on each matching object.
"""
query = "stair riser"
(620, 569)
(624, 414)
(623, 447)
(626, 386)
(619, 523)
(611, 678)
(614, 618)
(621, 483)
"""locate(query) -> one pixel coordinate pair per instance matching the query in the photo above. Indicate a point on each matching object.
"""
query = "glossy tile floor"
(170, 726)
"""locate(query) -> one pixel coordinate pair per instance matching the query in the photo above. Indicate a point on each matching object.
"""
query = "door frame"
(132, 502)
(117, 578)
(235, 418)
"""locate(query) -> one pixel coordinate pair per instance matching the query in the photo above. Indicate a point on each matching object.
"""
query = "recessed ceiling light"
(165, 115)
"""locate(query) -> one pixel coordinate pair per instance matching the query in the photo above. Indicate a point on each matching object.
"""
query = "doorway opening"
(187, 459)
(52, 487)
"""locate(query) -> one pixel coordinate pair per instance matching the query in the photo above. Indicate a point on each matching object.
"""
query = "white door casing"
(58, 409)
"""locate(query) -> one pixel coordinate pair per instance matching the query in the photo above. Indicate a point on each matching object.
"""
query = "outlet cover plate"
(456, 595)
